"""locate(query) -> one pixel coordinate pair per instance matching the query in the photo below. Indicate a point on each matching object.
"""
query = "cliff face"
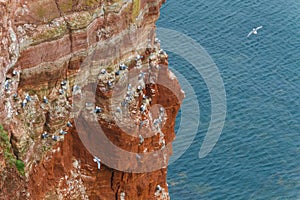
(45, 47)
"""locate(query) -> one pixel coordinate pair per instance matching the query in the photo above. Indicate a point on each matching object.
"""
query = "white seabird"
(98, 161)
(62, 132)
(254, 31)
(45, 100)
(141, 139)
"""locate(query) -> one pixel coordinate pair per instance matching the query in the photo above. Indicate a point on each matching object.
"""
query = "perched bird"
(138, 157)
(254, 31)
(156, 122)
(158, 188)
(141, 139)
(129, 86)
(97, 109)
(98, 161)
(15, 96)
(61, 91)
(62, 132)
(161, 51)
(64, 82)
(161, 110)
(109, 84)
(119, 110)
(15, 72)
(75, 88)
(138, 57)
(69, 124)
(27, 97)
(143, 108)
(139, 88)
(55, 138)
(122, 66)
(45, 135)
(141, 75)
(45, 100)
(6, 84)
(103, 71)
(24, 102)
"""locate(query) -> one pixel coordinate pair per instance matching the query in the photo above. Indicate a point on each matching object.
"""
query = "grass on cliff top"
(7, 151)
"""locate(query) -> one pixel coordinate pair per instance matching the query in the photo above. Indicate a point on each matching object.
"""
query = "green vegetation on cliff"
(7, 152)
(135, 9)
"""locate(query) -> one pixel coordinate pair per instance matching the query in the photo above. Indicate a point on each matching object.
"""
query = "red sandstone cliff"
(43, 44)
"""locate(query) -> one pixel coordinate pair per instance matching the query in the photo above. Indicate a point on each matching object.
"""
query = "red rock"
(66, 168)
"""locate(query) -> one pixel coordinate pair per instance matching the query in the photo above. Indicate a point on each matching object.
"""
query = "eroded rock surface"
(47, 48)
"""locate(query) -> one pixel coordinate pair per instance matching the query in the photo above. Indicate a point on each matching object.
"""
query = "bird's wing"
(249, 33)
(259, 27)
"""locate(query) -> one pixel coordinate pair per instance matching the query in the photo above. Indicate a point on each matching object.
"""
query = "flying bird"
(254, 31)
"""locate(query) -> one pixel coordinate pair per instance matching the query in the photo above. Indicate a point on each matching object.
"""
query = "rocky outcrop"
(56, 51)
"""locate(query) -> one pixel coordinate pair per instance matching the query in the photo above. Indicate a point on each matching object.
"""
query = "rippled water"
(258, 153)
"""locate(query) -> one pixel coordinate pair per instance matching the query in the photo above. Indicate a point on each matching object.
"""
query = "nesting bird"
(122, 66)
(24, 102)
(45, 100)
(103, 71)
(161, 51)
(6, 84)
(129, 87)
(161, 110)
(61, 91)
(142, 123)
(45, 135)
(138, 57)
(141, 75)
(15, 96)
(14, 72)
(124, 103)
(158, 188)
(75, 88)
(122, 196)
(69, 124)
(156, 40)
(55, 138)
(109, 84)
(145, 97)
(64, 82)
(139, 88)
(141, 139)
(119, 110)
(156, 122)
(97, 109)
(63, 85)
(27, 97)
(138, 157)
(143, 108)
(62, 132)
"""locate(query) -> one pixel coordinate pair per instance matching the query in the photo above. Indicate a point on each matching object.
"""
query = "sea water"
(258, 153)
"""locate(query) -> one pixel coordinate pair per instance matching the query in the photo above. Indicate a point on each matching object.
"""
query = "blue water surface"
(258, 153)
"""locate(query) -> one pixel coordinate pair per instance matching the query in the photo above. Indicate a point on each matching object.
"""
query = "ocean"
(257, 155)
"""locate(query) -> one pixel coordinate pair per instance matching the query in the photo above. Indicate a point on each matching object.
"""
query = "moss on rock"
(7, 151)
